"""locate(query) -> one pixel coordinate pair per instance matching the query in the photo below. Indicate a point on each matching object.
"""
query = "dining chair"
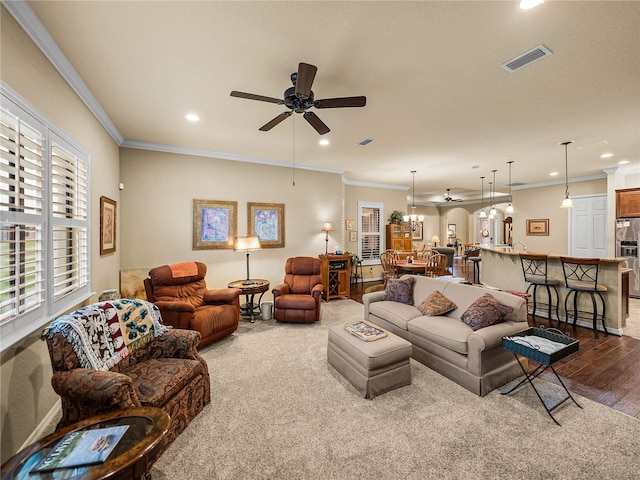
(437, 265)
(389, 265)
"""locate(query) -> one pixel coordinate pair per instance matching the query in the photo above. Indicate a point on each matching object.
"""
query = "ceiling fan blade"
(341, 102)
(272, 123)
(251, 96)
(316, 123)
(306, 74)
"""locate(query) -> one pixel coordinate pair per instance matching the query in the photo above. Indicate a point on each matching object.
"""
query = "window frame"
(19, 326)
(380, 207)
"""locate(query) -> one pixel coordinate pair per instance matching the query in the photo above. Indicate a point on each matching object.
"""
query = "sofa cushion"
(399, 290)
(158, 380)
(448, 332)
(485, 311)
(393, 312)
(436, 304)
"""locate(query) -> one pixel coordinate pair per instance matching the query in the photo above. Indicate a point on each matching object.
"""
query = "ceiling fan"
(299, 99)
(449, 198)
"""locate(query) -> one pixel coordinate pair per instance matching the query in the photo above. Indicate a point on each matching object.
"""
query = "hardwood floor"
(605, 370)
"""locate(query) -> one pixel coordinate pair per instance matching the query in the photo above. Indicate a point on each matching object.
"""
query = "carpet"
(278, 411)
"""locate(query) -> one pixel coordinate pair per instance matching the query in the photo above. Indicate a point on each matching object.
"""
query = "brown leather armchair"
(298, 298)
(181, 295)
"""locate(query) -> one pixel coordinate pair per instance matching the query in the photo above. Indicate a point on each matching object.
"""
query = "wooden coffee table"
(131, 458)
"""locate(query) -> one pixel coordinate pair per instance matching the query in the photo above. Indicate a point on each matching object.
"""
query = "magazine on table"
(365, 331)
(83, 447)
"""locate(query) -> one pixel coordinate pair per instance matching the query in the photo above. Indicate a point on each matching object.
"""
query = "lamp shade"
(327, 227)
(247, 244)
(435, 239)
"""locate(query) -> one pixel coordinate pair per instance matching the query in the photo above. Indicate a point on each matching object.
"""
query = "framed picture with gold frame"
(214, 224)
(350, 224)
(107, 225)
(266, 220)
(538, 226)
(353, 236)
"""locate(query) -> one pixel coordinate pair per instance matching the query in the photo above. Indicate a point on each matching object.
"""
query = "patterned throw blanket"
(104, 333)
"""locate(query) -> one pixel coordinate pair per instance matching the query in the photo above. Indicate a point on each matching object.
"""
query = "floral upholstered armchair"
(117, 354)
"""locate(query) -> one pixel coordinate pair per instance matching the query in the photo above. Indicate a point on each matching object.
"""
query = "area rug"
(278, 411)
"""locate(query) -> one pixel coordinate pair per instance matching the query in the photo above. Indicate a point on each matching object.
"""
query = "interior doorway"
(588, 227)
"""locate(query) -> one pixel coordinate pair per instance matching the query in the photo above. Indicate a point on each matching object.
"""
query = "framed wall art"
(349, 224)
(214, 224)
(107, 225)
(538, 227)
(266, 220)
(353, 236)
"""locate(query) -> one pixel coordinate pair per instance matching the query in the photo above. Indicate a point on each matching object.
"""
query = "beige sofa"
(473, 359)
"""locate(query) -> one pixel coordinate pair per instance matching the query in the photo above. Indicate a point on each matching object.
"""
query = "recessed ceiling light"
(623, 162)
(529, 4)
(324, 142)
(192, 117)
(606, 155)
(553, 174)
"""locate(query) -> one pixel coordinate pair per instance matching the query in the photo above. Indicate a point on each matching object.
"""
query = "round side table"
(250, 290)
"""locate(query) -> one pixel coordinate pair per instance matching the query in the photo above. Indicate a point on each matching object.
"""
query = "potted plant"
(396, 217)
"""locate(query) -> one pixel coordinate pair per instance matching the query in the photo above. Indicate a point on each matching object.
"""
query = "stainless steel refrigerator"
(627, 236)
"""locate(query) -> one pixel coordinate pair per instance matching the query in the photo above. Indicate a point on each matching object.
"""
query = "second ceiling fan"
(300, 99)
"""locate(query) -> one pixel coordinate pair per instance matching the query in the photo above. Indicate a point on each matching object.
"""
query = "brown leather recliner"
(298, 298)
(181, 295)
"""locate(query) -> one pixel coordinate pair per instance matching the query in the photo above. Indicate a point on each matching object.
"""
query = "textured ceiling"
(438, 101)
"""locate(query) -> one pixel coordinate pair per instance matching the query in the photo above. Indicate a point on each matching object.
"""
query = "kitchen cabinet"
(628, 203)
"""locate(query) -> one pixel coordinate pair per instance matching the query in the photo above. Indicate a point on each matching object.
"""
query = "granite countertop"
(510, 251)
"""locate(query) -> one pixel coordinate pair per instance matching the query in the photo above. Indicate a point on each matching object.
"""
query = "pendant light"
(413, 220)
(509, 208)
(483, 214)
(493, 212)
(566, 203)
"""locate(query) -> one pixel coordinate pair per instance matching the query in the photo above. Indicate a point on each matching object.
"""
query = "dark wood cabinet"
(336, 275)
(628, 203)
(398, 238)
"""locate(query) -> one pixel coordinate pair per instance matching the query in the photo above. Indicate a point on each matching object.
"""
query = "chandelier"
(413, 220)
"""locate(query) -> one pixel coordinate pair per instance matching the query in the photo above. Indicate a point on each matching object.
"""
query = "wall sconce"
(566, 203)
(327, 228)
(247, 244)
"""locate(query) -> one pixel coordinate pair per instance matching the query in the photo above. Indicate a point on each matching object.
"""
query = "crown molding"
(198, 152)
(30, 23)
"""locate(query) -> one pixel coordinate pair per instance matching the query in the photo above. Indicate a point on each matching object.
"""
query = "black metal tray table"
(545, 360)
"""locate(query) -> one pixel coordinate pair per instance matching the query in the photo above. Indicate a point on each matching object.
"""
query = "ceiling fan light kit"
(300, 98)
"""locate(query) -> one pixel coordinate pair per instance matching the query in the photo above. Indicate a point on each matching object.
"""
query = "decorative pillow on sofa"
(436, 304)
(399, 290)
(485, 311)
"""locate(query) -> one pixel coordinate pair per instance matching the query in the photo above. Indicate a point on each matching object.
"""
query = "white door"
(588, 227)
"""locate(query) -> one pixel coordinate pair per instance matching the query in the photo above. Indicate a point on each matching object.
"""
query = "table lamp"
(327, 228)
(247, 244)
(435, 240)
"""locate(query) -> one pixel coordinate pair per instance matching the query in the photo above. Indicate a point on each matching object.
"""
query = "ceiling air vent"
(366, 141)
(526, 58)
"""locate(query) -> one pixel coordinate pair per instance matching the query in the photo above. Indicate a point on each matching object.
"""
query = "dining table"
(417, 267)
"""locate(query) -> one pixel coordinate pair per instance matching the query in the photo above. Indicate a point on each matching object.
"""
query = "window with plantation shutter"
(370, 228)
(44, 220)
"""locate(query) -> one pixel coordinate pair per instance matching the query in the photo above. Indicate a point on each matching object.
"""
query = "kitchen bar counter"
(501, 268)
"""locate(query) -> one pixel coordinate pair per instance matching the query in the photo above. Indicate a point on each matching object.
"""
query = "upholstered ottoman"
(373, 368)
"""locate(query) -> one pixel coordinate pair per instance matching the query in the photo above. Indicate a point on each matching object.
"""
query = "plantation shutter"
(22, 280)
(370, 232)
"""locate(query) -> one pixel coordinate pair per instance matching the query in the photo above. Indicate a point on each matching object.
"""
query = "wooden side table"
(131, 458)
(250, 290)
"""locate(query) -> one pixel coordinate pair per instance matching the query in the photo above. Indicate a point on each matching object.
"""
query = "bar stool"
(473, 256)
(581, 275)
(534, 268)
